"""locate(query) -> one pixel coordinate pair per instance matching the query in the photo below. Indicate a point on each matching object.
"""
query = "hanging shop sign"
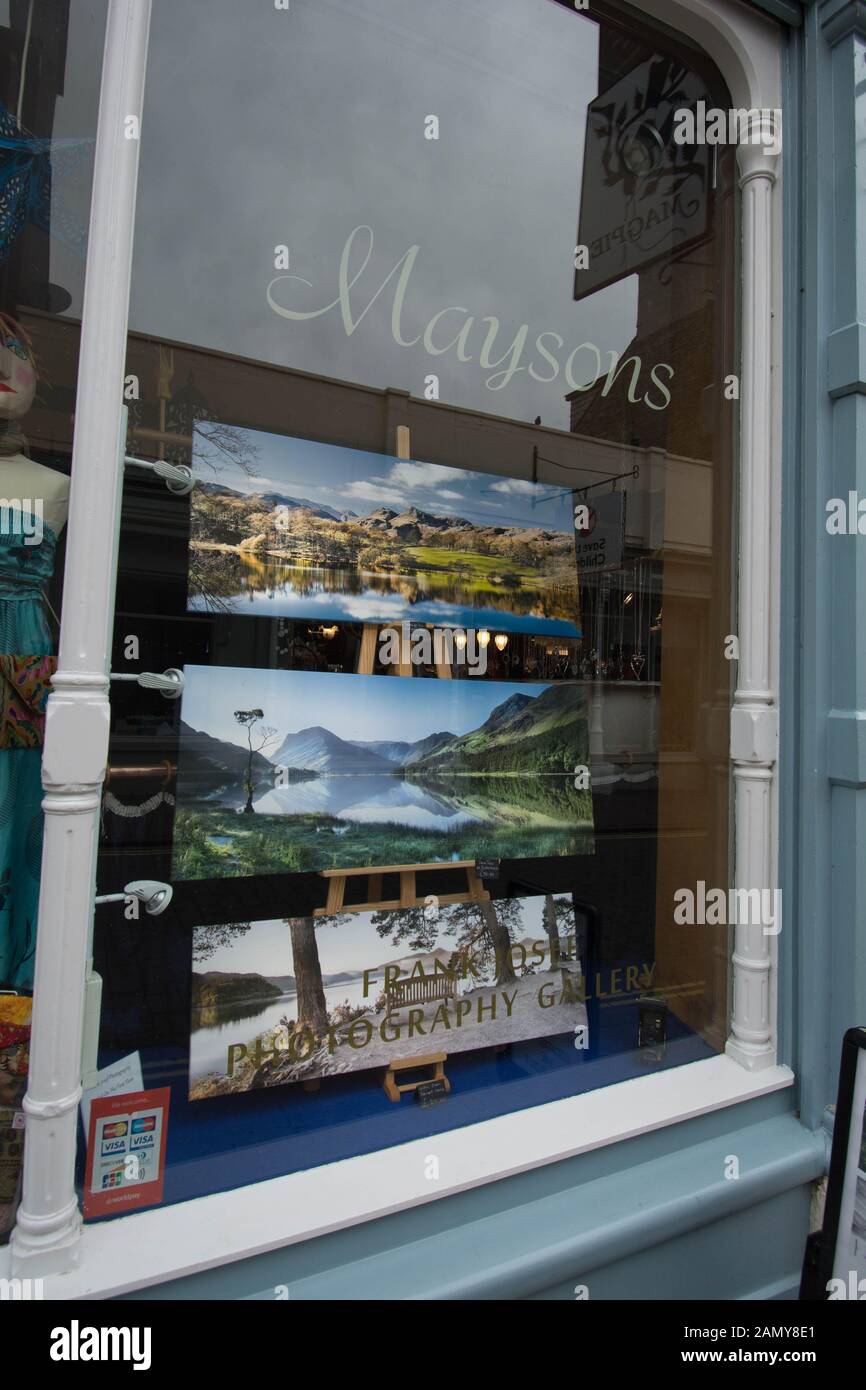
(644, 196)
(599, 532)
(308, 998)
(289, 528)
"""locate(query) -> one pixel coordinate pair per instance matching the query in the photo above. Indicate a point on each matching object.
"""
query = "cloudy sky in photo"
(362, 482)
(375, 707)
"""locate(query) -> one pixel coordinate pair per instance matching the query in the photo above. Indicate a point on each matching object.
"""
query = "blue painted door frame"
(824, 576)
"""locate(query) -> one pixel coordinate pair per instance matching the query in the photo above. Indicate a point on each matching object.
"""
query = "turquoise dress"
(24, 631)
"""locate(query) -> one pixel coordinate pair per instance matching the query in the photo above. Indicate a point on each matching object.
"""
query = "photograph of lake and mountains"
(281, 1001)
(299, 771)
(288, 528)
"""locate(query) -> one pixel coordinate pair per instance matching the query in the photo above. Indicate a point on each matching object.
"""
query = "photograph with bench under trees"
(305, 998)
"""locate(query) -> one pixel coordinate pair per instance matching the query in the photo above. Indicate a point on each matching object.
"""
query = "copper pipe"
(164, 769)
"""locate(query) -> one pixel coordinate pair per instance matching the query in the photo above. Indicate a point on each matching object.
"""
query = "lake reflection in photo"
(270, 587)
(367, 800)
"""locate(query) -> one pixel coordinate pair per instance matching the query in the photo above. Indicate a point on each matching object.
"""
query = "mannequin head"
(18, 375)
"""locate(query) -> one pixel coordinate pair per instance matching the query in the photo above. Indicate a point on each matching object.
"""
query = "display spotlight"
(154, 897)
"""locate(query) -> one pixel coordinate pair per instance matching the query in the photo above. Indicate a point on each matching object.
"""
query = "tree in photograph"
(207, 940)
(218, 444)
(551, 926)
(559, 924)
(312, 1006)
(409, 926)
(482, 930)
(257, 740)
(498, 918)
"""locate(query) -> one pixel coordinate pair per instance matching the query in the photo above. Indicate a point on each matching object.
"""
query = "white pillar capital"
(760, 147)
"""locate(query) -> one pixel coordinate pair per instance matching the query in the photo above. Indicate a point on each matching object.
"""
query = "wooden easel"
(370, 635)
(475, 890)
(394, 1089)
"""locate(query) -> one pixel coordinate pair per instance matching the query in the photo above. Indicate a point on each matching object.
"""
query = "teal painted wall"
(655, 1214)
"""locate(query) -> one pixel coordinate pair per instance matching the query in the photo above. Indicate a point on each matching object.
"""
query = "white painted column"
(45, 1239)
(754, 720)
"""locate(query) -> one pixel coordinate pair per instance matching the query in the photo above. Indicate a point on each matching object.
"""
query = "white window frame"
(50, 1239)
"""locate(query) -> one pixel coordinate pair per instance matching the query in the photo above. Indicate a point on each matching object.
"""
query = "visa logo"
(113, 1146)
(142, 1141)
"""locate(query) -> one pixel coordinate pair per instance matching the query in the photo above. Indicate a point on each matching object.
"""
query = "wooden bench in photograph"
(421, 989)
(336, 878)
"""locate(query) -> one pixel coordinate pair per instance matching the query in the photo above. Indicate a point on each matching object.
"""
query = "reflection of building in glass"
(32, 78)
(658, 763)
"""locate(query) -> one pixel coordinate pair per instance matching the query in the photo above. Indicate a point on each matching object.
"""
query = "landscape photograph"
(287, 527)
(300, 771)
(302, 998)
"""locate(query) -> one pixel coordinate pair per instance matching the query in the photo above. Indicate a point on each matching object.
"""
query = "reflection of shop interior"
(32, 68)
(685, 317)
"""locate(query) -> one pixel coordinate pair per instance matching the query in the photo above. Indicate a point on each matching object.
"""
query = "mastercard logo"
(115, 1131)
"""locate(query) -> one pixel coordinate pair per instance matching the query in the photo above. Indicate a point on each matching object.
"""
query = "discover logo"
(77, 1343)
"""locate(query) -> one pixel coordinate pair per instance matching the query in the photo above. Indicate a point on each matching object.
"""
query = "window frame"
(50, 1238)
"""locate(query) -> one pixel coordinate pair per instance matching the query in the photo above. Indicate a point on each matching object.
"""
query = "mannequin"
(33, 510)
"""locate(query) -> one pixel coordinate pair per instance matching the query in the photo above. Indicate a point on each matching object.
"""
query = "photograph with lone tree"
(299, 771)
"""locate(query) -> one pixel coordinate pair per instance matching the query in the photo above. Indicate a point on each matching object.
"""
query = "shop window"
(439, 315)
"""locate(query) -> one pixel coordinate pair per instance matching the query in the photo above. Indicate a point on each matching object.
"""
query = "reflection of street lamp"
(483, 637)
(460, 640)
(501, 641)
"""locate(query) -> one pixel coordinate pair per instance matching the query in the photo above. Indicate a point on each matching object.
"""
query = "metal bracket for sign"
(613, 480)
(169, 683)
(177, 477)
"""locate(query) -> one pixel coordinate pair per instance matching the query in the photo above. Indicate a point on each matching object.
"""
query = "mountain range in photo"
(500, 781)
(338, 534)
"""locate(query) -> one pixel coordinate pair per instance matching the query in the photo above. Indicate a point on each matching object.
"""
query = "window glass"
(438, 314)
(50, 57)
